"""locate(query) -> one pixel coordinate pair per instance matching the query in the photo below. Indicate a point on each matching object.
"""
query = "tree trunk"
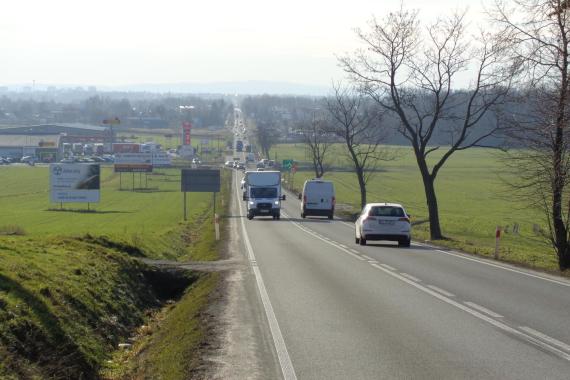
(362, 185)
(431, 199)
(433, 210)
(560, 229)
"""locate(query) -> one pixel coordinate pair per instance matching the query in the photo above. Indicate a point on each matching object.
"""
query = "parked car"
(28, 160)
(318, 198)
(383, 221)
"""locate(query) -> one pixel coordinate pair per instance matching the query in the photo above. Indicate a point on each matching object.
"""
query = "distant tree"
(359, 124)
(315, 129)
(410, 72)
(539, 34)
(266, 136)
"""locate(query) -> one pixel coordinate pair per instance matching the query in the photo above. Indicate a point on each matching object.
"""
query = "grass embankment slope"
(71, 288)
(473, 199)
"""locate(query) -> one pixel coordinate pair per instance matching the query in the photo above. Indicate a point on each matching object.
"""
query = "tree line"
(407, 81)
(131, 109)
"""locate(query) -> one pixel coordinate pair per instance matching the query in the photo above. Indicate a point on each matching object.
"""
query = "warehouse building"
(45, 148)
(41, 141)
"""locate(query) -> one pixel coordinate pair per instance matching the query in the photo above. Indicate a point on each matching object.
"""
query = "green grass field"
(71, 288)
(472, 196)
(152, 220)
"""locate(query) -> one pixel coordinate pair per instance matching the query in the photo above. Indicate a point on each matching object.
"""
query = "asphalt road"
(336, 310)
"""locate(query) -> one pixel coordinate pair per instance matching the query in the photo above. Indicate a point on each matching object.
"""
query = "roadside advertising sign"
(75, 183)
(133, 162)
(200, 180)
(186, 129)
(126, 148)
(160, 159)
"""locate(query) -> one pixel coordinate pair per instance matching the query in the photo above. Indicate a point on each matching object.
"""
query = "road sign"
(200, 180)
(287, 165)
(114, 121)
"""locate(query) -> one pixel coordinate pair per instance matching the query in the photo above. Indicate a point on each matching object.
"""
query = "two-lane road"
(339, 310)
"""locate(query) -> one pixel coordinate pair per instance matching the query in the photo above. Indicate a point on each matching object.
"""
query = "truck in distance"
(262, 193)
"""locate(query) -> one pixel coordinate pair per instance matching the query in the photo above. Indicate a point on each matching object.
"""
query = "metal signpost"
(133, 163)
(201, 181)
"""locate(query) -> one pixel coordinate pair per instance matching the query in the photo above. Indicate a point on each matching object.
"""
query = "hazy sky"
(116, 42)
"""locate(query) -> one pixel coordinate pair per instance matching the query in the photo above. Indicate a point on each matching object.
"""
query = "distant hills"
(239, 88)
(226, 88)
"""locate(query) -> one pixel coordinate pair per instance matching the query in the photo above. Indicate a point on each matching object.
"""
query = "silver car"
(383, 221)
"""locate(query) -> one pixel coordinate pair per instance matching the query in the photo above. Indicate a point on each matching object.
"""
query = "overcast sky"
(117, 42)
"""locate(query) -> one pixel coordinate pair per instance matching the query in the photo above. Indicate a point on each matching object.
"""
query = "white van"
(318, 198)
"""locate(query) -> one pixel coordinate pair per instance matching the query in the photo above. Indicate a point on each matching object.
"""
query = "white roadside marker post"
(217, 226)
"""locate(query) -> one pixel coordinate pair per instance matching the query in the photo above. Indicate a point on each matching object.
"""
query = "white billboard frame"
(75, 183)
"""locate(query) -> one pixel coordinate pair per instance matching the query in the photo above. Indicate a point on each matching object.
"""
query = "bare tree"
(539, 33)
(315, 132)
(266, 136)
(411, 72)
(358, 123)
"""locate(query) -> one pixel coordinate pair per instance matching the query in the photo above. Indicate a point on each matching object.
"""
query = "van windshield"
(263, 192)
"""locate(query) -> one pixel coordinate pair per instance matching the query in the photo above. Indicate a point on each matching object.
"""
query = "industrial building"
(45, 142)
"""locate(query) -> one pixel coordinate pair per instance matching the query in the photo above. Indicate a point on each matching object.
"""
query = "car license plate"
(264, 211)
(387, 222)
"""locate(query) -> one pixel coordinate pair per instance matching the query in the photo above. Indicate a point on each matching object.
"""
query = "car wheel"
(362, 240)
(303, 215)
(357, 240)
(404, 243)
(330, 216)
(250, 216)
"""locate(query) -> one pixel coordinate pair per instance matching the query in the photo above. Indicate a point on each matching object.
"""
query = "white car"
(383, 221)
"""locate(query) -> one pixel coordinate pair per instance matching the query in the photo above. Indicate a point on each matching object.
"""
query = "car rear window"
(386, 211)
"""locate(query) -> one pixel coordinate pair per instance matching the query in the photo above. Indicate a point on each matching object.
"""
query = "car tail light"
(304, 199)
(333, 201)
(405, 219)
(369, 219)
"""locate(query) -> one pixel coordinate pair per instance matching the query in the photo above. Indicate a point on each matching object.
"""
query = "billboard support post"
(185, 216)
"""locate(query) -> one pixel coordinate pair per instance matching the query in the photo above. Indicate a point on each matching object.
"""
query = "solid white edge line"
(440, 290)
(435, 292)
(483, 309)
(282, 353)
(500, 325)
(547, 338)
(484, 262)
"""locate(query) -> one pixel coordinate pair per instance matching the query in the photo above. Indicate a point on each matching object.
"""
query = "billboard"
(186, 129)
(75, 183)
(200, 180)
(126, 148)
(133, 162)
(160, 159)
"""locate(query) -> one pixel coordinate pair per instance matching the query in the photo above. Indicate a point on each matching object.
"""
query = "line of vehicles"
(263, 195)
(378, 221)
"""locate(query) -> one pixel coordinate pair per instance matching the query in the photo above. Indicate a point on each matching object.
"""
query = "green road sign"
(287, 165)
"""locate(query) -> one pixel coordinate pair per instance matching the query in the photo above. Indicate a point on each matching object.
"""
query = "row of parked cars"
(89, 159)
